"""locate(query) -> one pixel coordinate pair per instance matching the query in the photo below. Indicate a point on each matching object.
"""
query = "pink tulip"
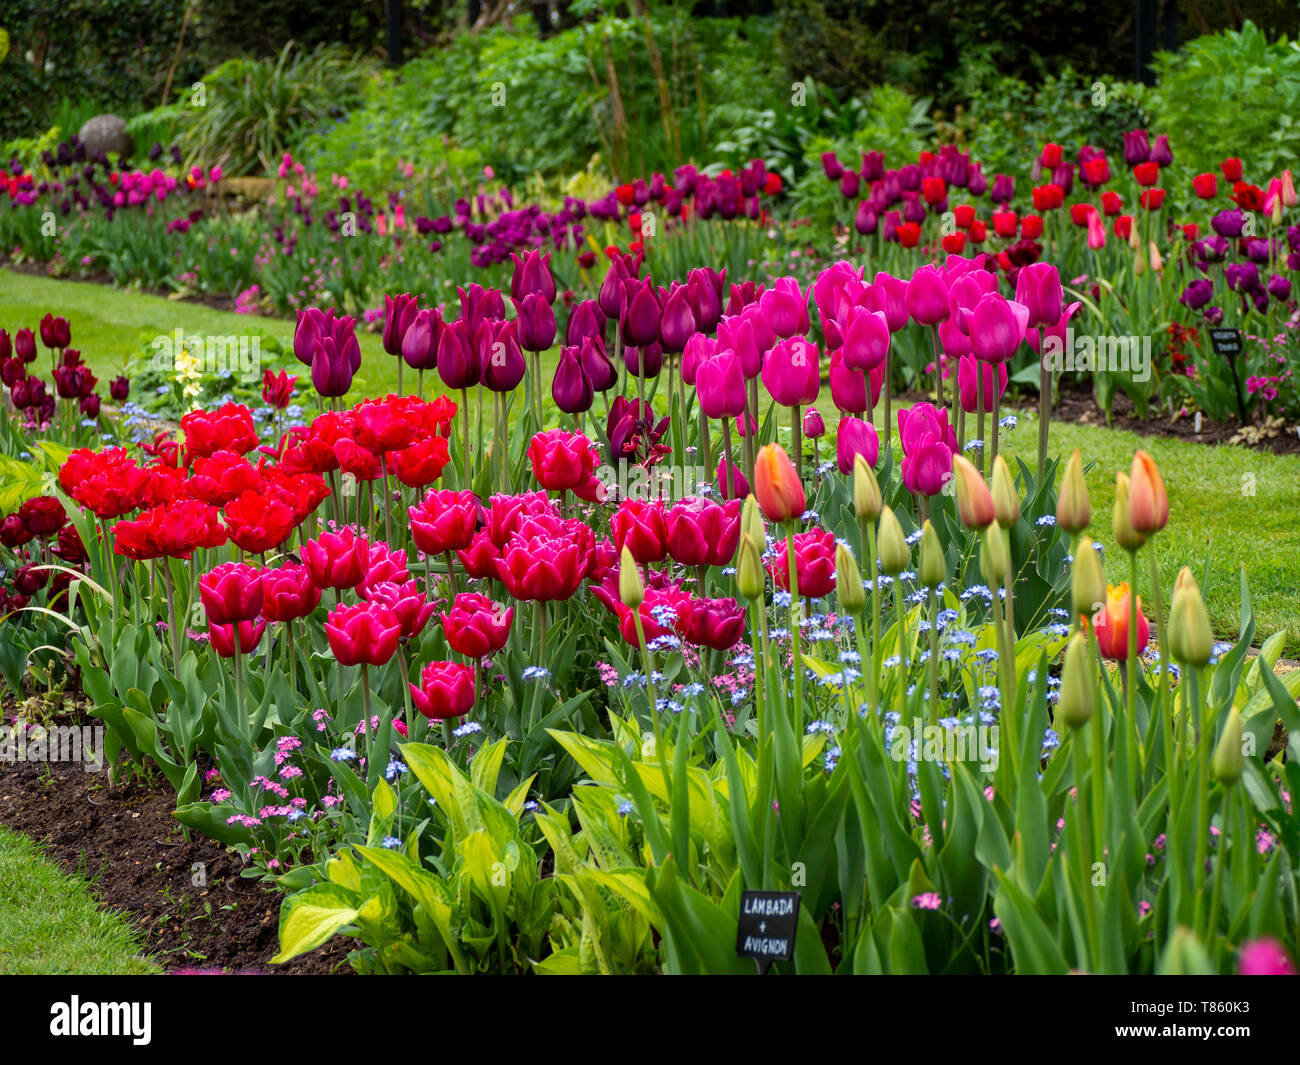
(792, 372)
(969, 369)
(365, 633)
(927, 296)
(997, 326)
(720, 385)
(855, 437)
(785, 308)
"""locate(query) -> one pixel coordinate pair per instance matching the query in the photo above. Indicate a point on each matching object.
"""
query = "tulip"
(288, 593)
(331, 368)
(1148, 503)
(814, 559)
(997, 326)
(638, 525)
(1006, 504)
(476, 626)
(927, 296)
(639, 323)
(1191, 640)
(704, 289)
(532, 276)
(995, 558)
(1125, 534)
(1112, 625)
(714, 623)
(1264, 956)
(631, 589)
(700, 533)
(336, 560)
(561, 460)
(1038, 288)
(420, 341)
(399, 313)
(813, 425)
(446, 690)
(733, 486)
(542, 568)
(1078, 694)
(677, 323)
(230, 593)
(611, 295)
(119, 388)
(785, 309)
(749, 570)
(777, 486)
(1087, 581)
(1073, 508)
(571, 388)
(362, 634)
(792, 372)
(720, 385)
(932, 566)
(866, 338)
(848, 580)
(994, 386)
(444, 521)
(974, 502)
(854, 439)
(891, 545)
(1229, 760)
(866, 490)
(222, 637)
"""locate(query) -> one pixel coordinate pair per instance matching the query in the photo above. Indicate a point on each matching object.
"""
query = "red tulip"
(698, 532)
(476, 626)
(229, 428)
(365, 633)
(258, 522)
(407, 603)
(814, 560)
(638, 525)
(716, 623)
(421, 463)
(446, 690)
(1112, 624)
(542, 568)
(561, 460)
(231, 592)
(336, 560)
(288, 593)
(222, 637)
(444, 521)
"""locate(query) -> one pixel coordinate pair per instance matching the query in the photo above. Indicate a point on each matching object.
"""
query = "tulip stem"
(997, 404)
(171, 613)
(934, 660)
(979, 414)
(796, 428)
(1130, 678)
(889, 394)
(1160, 629)
(796, 613)
(875, 613)
(388, 509)
(1044, 414)
(110, 559)
(464, 411)
(938, 366)
(902, 645)
(1220, 860)
(419, 384)
(730, 492)
(451, 573)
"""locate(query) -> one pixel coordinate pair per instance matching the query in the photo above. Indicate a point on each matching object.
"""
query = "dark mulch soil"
(125, 840)
(1077, 405)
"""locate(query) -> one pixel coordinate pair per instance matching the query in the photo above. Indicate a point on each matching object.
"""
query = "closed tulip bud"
(1125, 535)
(1191, 640)
(974, 503)
(891, 544)
(866, 491)
(1087, 581)
(776, 484)
(1148, 502)
(848, 581)
(1006, 504)
(630, 588)
(749, 569)
(751, 523)
(933, 567)
(995, 560)
(1078, 695)
(1229, 759)
(1073, 508)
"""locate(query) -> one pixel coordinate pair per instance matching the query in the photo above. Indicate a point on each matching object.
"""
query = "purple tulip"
(873, 166)
(1197, 294)
(704, 289)
(312, 325)
(1161, 154)
(600, 371)
(585, 320)
(532, 276)
(420, 343)
(399, 313)
(501, 362)
(677, 322)
(866, 221)
(640, 321)
(458, 363)
(833, 168)
(571, 388)
(536, 320)
(1137, 147)
(644, 361)
(331, 369)
(1279, 287)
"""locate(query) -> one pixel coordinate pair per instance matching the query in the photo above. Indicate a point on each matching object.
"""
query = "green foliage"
(253, 110)
(1230, 94)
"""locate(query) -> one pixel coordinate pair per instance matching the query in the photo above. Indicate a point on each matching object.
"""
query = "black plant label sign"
(1226, 342)
(768, 922)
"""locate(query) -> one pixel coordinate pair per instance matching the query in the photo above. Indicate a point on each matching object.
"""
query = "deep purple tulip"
(640, 321)
(571, 388)
(399, 313)
(532, 276)
(1197, 294)
(501, 363)
(331, 369)
(677, 323)
(420, 342)
(119, 388)
(1137, 147)
(458, 363)
(644, 361)
(585, 320)
(313, 324)
(704, 288)
(600, 370)
(536, 320)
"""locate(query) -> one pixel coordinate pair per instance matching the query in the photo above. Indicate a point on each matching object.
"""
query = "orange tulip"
(1148, 503)
(777, 485)
(974, 501)
(1112, 624)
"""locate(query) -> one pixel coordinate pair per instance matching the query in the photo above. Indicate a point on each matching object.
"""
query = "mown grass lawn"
(1231, 507)
(50, 923)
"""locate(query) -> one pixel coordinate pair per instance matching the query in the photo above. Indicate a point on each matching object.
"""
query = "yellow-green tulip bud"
(751, 523)
(848, 581)
(866, 490)
(749, 569)
(1229, 758)
(891, 544)
(933, 567)
(1087, 580)
(995, 559)
(1006, 504)
(1073, 507)
(1191, 640)
(1125, 535)
(1078, 696)
(630, 587)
